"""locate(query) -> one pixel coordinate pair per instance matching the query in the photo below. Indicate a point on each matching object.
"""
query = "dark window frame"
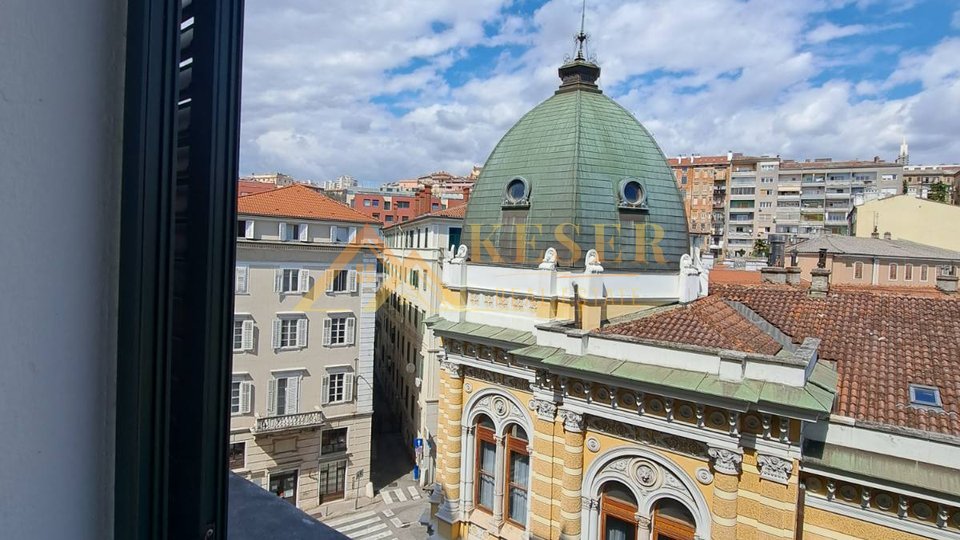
(177, 245)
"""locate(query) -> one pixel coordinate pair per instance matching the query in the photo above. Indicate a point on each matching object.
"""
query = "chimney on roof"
(820, 277)
(774, 272)
(729, 155)
(875, 233)
(887, 236)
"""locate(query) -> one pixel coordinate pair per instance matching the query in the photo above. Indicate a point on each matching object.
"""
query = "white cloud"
(829, 32)
(729, 74)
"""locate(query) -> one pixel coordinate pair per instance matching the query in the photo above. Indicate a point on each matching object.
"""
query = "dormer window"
(517, 192)
(633, 196)
(925, 396)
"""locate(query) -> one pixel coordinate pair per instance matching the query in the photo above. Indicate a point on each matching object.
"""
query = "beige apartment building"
(302, 396)
(406, 349)
(909, 218)
(702, 181)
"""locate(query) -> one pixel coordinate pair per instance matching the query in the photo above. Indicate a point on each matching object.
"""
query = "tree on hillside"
(938, 192)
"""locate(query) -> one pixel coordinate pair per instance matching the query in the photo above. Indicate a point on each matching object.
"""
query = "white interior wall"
(61, 96)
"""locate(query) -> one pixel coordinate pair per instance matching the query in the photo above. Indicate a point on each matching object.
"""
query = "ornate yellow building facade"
(591, 388)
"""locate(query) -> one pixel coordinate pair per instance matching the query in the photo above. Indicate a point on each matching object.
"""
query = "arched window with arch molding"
(618, 510)
(496, 473)
(672, 520)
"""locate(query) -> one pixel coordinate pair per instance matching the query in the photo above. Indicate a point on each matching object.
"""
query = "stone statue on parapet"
(591, 264)
(549, 260)
(461, 256)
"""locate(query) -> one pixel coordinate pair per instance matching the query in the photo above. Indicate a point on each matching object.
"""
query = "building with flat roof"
(827, 191)
(703, 185)
(909, 218)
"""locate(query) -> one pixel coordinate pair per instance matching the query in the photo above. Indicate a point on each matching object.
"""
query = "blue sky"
(387, 90)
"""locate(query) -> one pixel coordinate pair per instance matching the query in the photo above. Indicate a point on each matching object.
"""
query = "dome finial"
(582, 36)
(580, 73)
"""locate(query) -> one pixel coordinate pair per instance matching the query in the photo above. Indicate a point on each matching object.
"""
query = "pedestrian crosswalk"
(363, 526)
(399, 495)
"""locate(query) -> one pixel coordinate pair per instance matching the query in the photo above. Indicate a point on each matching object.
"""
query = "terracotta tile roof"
(881, 342)
(456, 212)
(709, 322)
(299, 201)
(719, 274)
(247, 187)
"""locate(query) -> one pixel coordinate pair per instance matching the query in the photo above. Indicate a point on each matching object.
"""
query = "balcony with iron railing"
(273, 424)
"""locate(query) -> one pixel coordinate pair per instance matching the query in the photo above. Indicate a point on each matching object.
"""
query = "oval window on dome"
(632, 194)
(517, 192)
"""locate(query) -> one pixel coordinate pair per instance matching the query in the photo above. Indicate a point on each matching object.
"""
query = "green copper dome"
(572, 174)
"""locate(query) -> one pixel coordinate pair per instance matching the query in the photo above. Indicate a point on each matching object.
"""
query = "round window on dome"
(517, 192)
(632, 193)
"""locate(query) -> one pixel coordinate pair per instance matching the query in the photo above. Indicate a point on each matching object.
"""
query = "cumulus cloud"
(386, 91)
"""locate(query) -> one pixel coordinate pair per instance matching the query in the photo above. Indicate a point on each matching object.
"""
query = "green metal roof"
(574, 149)
(886, 468)
(810, 397)
(817, 395)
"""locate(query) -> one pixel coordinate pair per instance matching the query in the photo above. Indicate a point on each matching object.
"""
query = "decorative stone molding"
(496, 378)
(546, 410)
(572, 421)
(649, 437)
(643, 522)
(704, 476)
(467, 387)
(501, 409)
(593, 444)
(774, 468)
(452, 368)
(725, 461)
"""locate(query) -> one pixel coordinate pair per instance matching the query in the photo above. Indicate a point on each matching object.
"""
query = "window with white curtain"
(486, 463)
(518, 473)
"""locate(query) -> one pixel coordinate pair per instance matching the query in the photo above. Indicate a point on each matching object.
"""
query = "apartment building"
(405, 357)
(921, 181)
(702, 181)
(827, 191)
(751, 202)
(302, 396)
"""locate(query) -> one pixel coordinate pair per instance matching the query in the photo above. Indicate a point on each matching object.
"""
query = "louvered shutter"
(248, 229)
(353, 235)
(302, 332)
(246, 391)
(348, 387)
(352, 281)
(329, 276)
(333, 233)
(283, 231)
(247, 335)
(276, 333)
(325, 390)
(304, 231)
(326, 331)
(241, 284)
(351, 329)
(293, 395)
(272, 398)
(278, 280)
(303, 281)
